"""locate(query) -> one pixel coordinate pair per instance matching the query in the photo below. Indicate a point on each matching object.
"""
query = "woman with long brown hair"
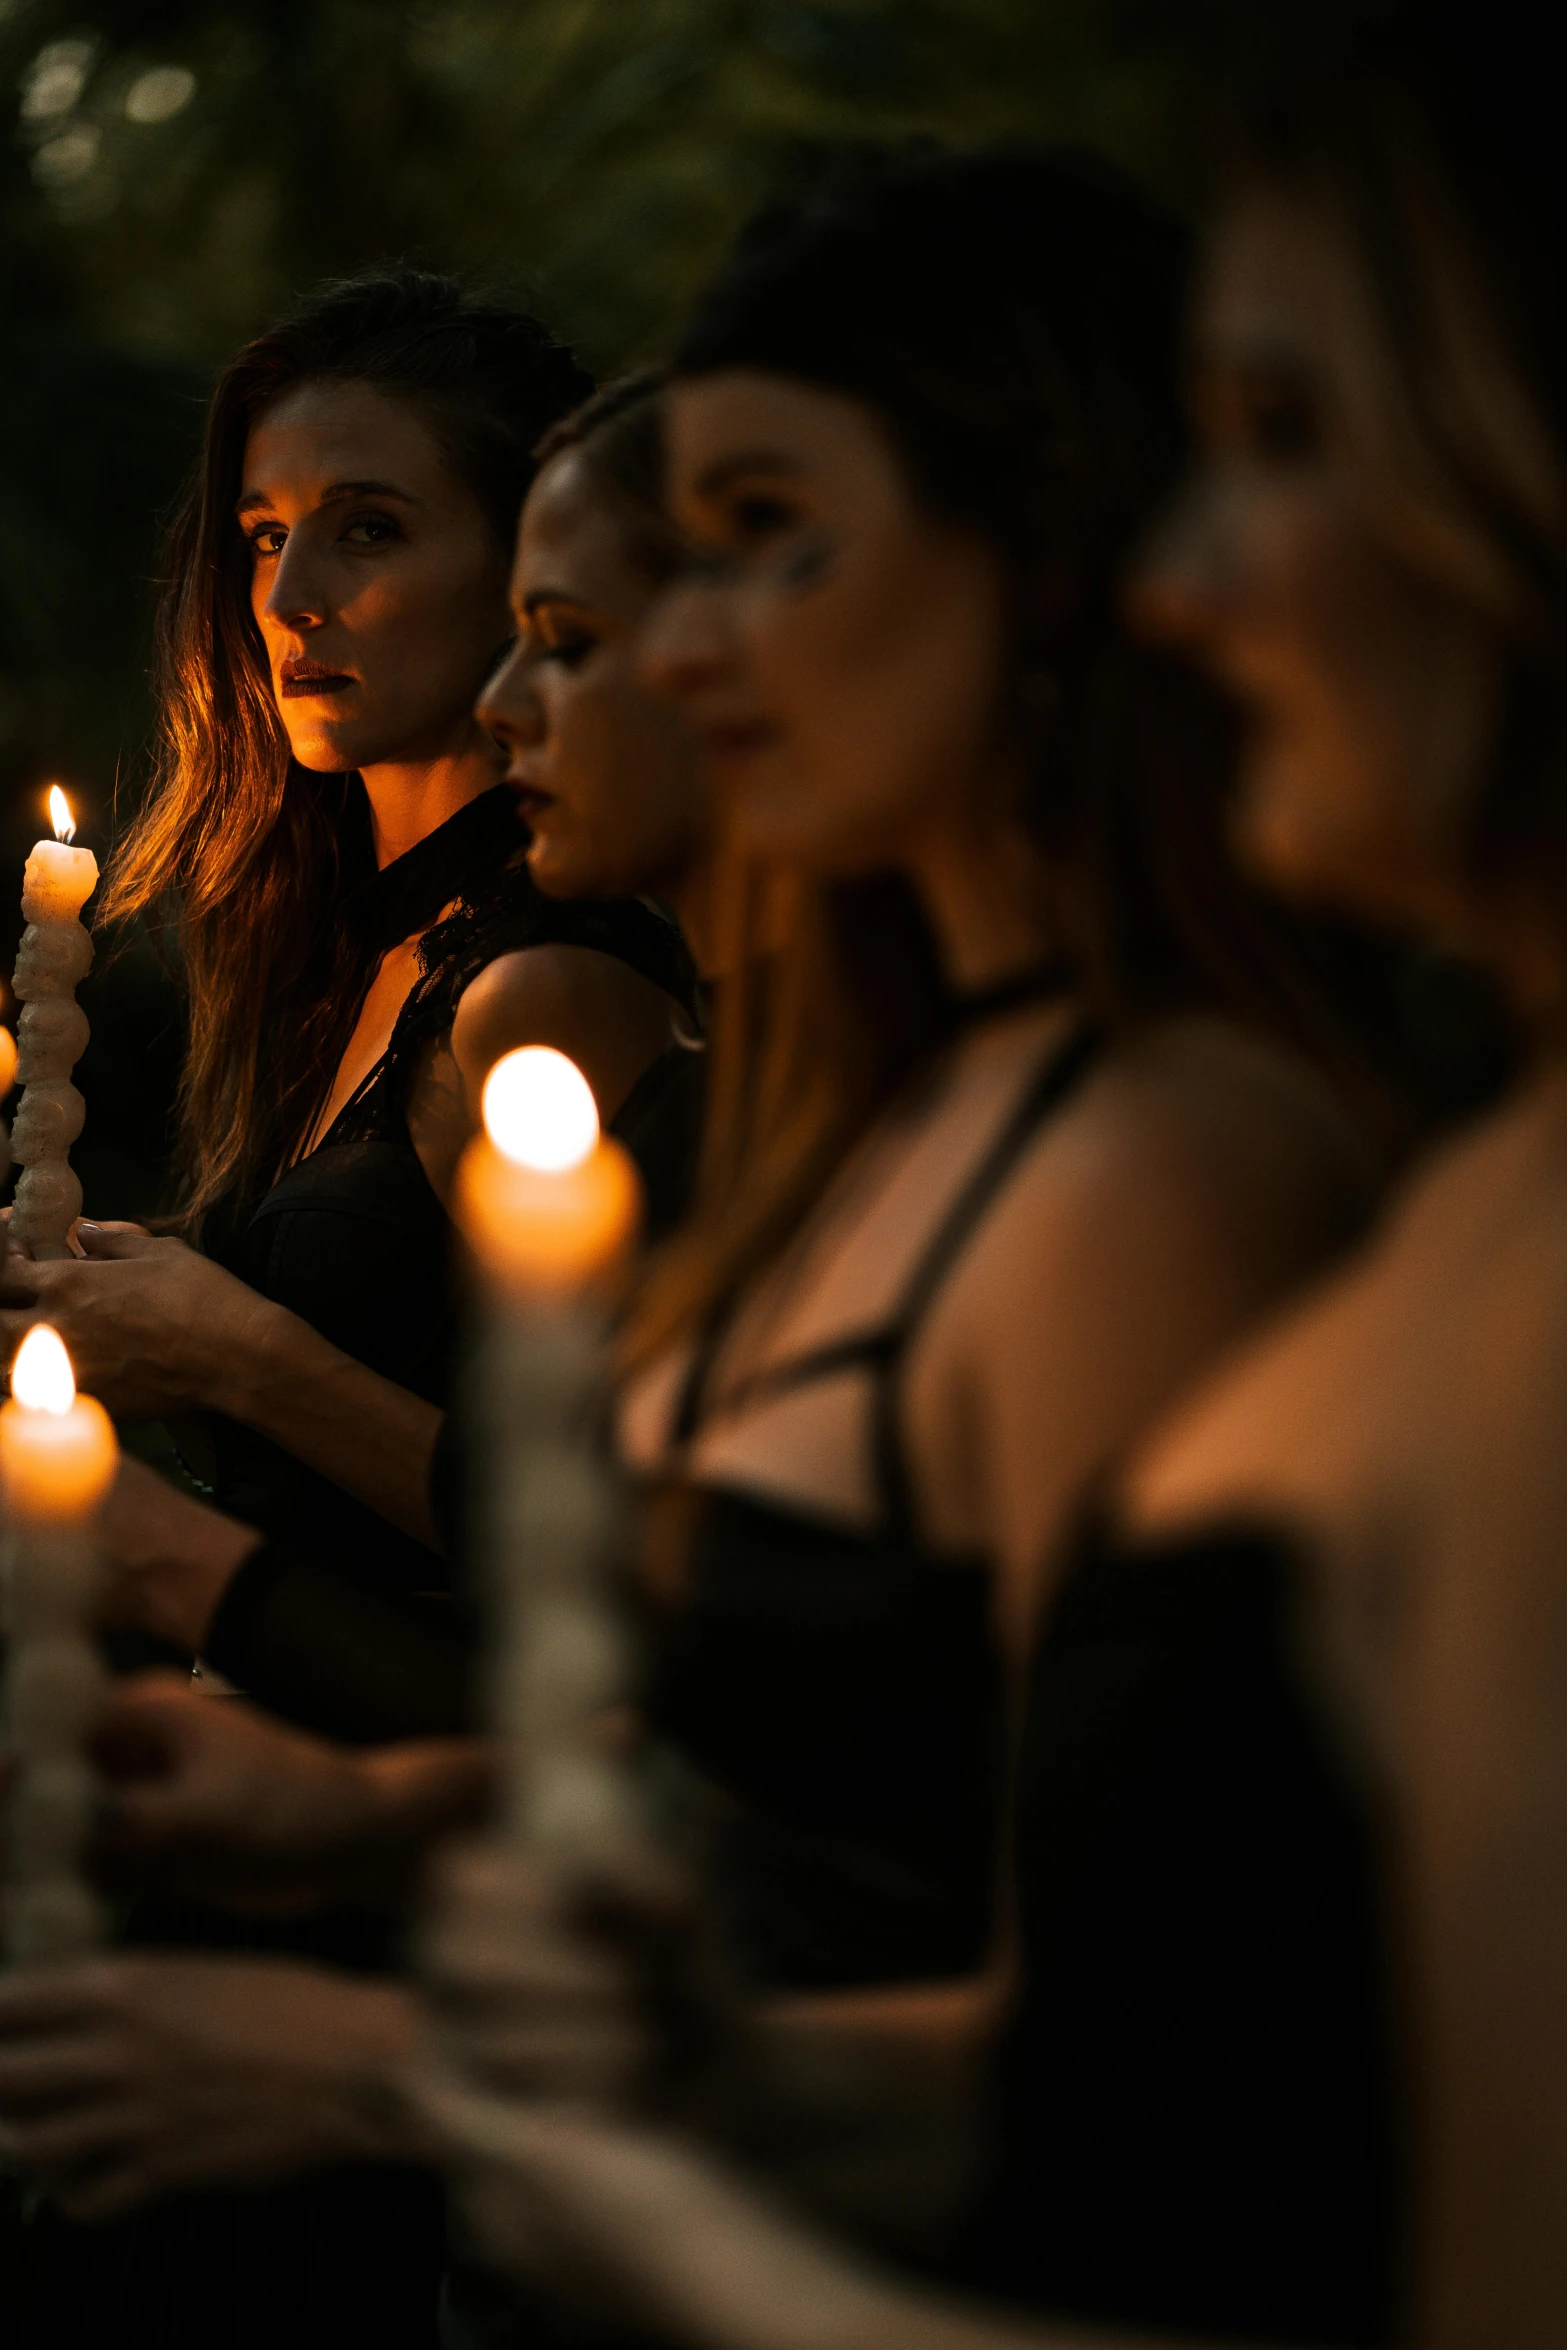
(346, 868)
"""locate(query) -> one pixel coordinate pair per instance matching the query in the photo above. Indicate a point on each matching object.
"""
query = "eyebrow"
(335, 495)
(725, 470)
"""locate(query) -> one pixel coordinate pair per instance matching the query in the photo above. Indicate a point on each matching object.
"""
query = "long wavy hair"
(253, 851)
(1014, 318)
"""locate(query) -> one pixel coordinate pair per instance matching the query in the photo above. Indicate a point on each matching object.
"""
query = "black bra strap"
(1060, 1076)
(881, 1350)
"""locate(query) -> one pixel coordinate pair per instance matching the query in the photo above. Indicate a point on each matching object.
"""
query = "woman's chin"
(558, 873)
(321, 753)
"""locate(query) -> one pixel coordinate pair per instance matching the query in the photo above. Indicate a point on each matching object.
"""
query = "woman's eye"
(757, 515)
(268, 541)
(371, 530)
(570, 651)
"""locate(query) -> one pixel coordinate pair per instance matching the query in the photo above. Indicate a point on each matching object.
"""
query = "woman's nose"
(509, 707)
(1175, 590)
(684, 646)
(296, 598)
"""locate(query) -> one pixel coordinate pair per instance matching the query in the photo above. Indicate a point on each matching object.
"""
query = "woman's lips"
(531, 802)
(301, 679)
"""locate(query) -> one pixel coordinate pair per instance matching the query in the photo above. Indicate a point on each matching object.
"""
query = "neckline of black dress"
(1056, 975)
(406, 896)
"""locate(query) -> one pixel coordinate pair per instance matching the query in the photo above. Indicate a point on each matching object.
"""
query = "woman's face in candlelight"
(377, 587)
(840, 652)
(605, 774)
(1372, 689)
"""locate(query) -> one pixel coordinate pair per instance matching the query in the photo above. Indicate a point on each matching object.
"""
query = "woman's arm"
(677, 2243)
(154, 1328)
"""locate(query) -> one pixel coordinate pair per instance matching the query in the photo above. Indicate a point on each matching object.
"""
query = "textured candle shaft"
(54, 956)
(550, 1526)
(54, 1688)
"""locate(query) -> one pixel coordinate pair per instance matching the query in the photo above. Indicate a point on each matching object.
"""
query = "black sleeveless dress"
(353, 1240)
(1197, 2101)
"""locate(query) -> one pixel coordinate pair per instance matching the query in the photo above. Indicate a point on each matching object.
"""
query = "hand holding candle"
(54, 957)
(58, 1457)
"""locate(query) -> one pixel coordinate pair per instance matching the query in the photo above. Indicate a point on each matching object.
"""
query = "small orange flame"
(60, 814)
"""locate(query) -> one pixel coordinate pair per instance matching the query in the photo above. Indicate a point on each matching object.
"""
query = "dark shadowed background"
(171, 174)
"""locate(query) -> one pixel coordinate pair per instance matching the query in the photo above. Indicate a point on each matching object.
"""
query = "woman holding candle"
(346, 865)
(606, 778)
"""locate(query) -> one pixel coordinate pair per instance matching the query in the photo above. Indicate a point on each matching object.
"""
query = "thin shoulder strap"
(1054, 1082)
(880, 1349)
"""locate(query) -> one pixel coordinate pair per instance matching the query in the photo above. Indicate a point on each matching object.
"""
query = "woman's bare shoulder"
(593, 1006)
(1194, 1128)
(1452, 1318)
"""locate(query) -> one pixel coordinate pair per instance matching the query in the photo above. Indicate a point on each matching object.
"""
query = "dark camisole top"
(841, 1690)
(354, 1240)
(1196, 2125)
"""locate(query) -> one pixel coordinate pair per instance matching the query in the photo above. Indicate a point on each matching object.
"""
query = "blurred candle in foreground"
(549, 1208)
(54, 957)
(548, 1205)
(58, 1458)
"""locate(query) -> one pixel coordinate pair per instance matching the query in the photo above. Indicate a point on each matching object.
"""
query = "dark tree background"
(172, 173)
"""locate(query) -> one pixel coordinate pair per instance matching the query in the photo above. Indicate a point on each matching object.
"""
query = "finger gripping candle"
(57, 1462)
(54, 957)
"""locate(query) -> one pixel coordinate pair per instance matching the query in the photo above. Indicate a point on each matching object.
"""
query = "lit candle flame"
(539, 1110)
(41, 1376)
(60, 814)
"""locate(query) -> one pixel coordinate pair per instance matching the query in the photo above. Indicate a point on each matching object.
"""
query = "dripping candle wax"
(57, 1462)
(54, 957)
(549, 1208)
